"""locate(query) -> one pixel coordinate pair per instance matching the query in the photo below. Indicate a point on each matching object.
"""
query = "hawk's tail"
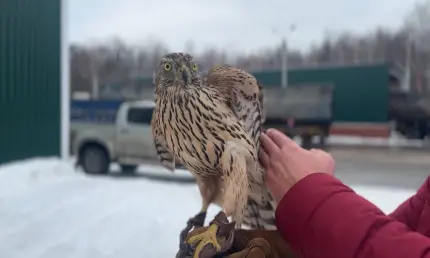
(260, 216)
(260, 210)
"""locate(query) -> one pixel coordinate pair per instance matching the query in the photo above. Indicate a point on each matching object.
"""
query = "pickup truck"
(122, 134)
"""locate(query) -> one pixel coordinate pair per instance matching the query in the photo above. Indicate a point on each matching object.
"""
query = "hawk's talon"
(198, 220)
(184, 234)
(194, 222)
(200, 241)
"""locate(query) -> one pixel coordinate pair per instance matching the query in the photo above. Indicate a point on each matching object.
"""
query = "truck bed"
(307, 102)
(94, 111)
(409, 105)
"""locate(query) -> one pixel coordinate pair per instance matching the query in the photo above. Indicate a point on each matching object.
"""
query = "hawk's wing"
(244, 96)
(166, 159)
(243, 93)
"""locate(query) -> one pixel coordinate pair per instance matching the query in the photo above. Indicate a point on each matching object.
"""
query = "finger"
(271, 181)
(280, 139)
(316, 151)
(269, 178)
(271, 175)
(277, 169)
(264, 158)
(268, 145)
(320, 152)
(325, 158)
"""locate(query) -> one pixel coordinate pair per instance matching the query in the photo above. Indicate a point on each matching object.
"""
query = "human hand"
(287, 163)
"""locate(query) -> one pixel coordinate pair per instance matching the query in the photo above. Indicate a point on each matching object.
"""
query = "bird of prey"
(212, 126)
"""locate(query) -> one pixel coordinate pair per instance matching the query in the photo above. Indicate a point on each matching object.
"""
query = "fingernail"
(270, 130)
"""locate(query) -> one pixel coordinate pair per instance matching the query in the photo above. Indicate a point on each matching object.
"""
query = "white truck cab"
(128, 141)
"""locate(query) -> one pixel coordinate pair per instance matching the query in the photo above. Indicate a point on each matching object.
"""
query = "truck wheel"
(322, 141)
(95, 160)
(307, 141)
(128, 169)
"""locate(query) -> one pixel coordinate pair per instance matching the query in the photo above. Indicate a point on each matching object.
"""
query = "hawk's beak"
(185, 75)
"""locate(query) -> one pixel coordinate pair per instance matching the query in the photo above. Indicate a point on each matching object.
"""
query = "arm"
(409, 212)
(321, 217)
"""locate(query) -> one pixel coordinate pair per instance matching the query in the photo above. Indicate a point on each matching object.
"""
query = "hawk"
(212, 125)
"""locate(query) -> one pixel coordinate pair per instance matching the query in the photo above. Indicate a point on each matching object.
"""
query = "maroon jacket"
(321, 217)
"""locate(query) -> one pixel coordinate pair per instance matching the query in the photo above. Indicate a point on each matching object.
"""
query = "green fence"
(29, 79)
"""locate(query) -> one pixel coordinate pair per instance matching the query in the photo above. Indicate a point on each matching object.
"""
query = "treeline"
(115, 60)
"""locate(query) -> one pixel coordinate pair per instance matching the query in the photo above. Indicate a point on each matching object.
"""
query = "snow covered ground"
(50, 210)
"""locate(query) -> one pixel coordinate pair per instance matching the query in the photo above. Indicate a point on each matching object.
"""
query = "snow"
(19, 176)
(386, 198)
(50, 210)
(157, 171)
(47, 209)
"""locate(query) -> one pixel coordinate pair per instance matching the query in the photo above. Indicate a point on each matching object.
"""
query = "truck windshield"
(137, 115)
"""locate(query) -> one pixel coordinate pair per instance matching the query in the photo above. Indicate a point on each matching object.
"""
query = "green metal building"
(30, 79)
(361, 93)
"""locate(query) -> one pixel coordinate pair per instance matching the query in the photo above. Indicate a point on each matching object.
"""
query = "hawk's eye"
(167, 67)
(195, 68)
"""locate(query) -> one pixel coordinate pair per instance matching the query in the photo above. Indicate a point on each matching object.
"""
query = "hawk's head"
(176, 70)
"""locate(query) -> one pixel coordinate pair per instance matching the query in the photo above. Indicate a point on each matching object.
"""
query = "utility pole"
(94, 81)
(406, 84)
(284, 56)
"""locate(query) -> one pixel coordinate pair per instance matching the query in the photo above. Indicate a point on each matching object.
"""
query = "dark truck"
(411, 114)
(300, 110)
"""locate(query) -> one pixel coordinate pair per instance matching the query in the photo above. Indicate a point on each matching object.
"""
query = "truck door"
(135, 135)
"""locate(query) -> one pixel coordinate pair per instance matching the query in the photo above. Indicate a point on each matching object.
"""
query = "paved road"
(389, 167)
(396, 167)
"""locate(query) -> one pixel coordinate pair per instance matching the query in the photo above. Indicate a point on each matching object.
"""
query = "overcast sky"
(233, 24)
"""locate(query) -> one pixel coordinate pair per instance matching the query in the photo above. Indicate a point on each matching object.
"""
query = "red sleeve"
(409, 212)
(321, 217)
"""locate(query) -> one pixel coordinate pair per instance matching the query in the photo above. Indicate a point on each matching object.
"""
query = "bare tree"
(417, 24)
(116, 65)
